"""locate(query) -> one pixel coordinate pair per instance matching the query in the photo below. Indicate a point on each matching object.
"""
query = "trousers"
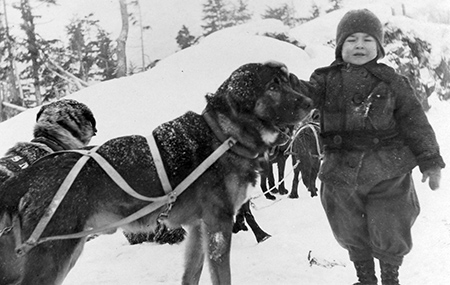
(373, 222)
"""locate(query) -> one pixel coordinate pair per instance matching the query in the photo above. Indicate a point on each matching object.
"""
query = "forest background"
(42, 60)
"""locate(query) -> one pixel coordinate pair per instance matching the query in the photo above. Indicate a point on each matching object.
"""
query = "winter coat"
(372, 125)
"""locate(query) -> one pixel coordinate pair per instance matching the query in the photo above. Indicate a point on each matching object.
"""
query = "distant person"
(61, 125)
(374, 133)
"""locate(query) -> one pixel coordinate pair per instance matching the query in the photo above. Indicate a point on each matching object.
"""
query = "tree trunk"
(142, 35)
(13, 83)
(29, 28)
(122, 41)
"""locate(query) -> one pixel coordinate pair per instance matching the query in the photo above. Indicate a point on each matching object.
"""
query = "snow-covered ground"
(137, 104)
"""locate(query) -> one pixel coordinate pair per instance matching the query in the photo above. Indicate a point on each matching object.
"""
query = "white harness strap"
(118, 179)
(159, 164)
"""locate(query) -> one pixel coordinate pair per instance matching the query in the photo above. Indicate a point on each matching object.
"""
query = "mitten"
(434, 176)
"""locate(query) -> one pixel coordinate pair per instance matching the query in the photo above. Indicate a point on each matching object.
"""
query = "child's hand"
(435, 177)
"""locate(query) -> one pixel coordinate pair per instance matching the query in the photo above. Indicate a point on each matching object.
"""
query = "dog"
(252, 106)
(306, 152)
(277, 156)
(60, 125)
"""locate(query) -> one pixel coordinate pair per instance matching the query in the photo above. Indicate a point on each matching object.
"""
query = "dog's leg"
(260, 235)
(10, 264)
(271, 179)
(194, 256)
(49, 263)
(313, 176)
(217, 232)
(309, 174)
(264, 187)
(281, 166)
(239, 223)
(294, 191)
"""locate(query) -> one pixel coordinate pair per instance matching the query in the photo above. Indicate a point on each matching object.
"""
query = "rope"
(278, 183)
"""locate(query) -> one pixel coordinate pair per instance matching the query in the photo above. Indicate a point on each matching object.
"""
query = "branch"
(13, 106)
(79, 82)
(69, 80)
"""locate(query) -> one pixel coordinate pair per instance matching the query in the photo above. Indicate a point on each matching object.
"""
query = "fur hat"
(359, 21)
(68, 122)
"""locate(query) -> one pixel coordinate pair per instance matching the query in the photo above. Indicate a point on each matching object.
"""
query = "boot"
(365, 270)
(389, 273)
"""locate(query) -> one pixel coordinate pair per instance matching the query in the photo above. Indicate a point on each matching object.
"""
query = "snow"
(137, 104)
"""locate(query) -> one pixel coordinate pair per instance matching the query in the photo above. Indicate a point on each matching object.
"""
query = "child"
(374, 133)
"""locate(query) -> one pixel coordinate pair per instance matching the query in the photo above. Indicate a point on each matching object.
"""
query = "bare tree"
(121, 42)
(10, 74)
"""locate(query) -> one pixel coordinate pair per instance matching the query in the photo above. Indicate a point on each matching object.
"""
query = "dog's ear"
(294, 81)
(240, 91)
(272, 68)
(41, 110)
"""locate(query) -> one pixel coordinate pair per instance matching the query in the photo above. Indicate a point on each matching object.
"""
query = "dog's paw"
(137, 238)
(293, 195)
(313, 192)
(282, 190)
(170, 236)
(270, 196)
(260, 239)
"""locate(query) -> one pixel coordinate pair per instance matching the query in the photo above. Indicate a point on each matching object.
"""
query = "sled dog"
(252, 106)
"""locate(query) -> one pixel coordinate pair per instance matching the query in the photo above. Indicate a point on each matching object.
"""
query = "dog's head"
(261, 95)
(70, 122)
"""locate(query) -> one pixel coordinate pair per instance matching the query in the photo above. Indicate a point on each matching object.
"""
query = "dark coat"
(373, 126)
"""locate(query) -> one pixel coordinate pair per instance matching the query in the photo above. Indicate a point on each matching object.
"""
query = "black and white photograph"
(256, 142)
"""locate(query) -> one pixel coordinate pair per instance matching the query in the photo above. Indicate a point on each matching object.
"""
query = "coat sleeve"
(314, 88)
(414, 126)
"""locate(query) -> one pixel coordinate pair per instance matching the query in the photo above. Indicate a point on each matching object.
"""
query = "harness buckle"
(25, 247)
(171, 198)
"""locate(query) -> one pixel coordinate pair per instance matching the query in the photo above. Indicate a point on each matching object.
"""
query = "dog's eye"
(274, 87)
(275, 84)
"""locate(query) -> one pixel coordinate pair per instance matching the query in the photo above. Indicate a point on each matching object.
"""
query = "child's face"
(359, 48)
